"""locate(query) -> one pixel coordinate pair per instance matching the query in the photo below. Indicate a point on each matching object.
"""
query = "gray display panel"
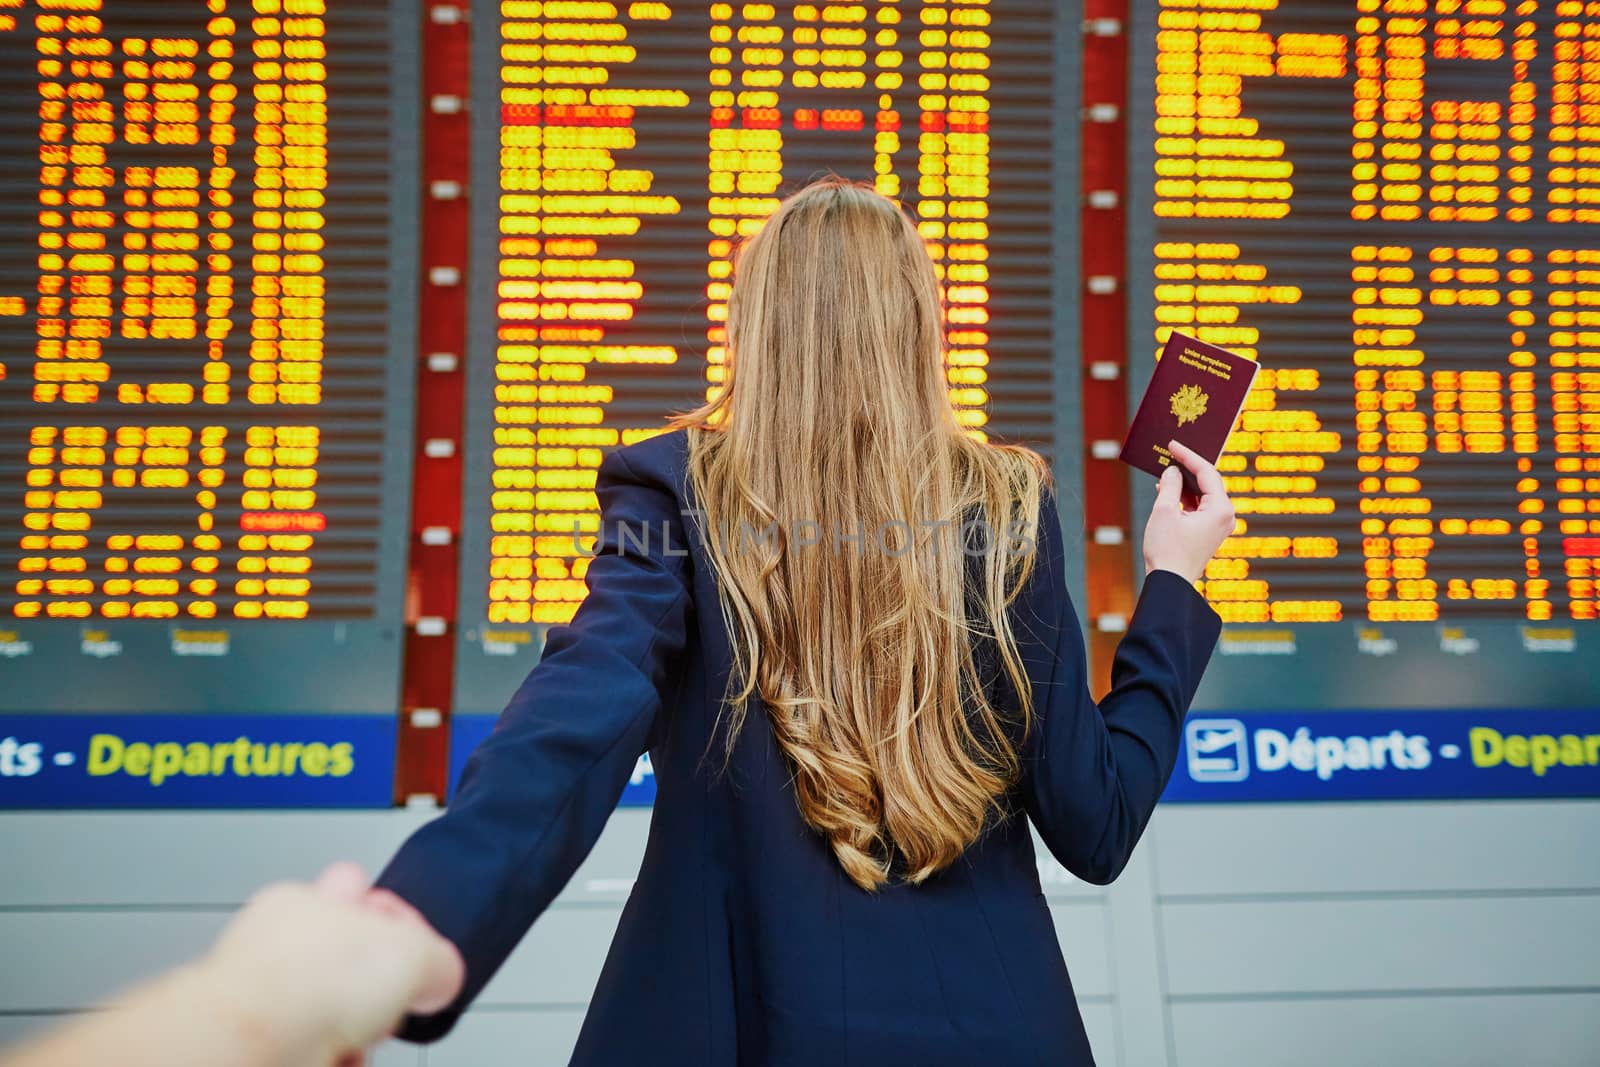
(1393, 213)
(630, 141)
(207, 319)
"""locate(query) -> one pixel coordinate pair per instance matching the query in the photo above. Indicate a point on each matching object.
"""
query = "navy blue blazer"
(742, 941)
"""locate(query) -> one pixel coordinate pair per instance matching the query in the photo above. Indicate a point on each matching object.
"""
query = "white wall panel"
(1100, 1022)
(1358, 848)
(1385, 944)
(1465, 1031)
(63, 960)
(509, 1039)
(1403, 933)
(559, 961)
(213, 858)
(1081, 929)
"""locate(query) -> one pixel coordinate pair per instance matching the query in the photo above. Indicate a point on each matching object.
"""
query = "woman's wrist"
(1153, 566)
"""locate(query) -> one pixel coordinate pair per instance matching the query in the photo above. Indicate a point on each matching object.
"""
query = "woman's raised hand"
(1181, 541)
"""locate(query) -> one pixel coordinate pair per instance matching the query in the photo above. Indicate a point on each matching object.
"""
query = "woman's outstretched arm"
(1092, 773)
(536, 794)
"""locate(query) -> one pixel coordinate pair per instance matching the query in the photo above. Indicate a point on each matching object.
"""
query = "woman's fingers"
(1205, 475)
(1169, 491)
(445, 975)
(386, 903)
(445, 972)
(342, 881)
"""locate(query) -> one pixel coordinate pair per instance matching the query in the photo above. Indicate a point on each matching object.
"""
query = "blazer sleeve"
(1091, 773)
(535, 795)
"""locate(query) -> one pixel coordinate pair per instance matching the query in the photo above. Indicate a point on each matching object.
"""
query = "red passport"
(1194, 397)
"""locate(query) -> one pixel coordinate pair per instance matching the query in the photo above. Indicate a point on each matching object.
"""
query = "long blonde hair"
(835, 427)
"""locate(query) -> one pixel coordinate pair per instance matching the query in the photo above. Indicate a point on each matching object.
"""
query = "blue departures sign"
(347, 761)
(196, 761)
(1377, 755)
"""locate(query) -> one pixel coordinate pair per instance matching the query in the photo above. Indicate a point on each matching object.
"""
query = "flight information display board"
(622, 149)
(207, 278)
(1395, 205)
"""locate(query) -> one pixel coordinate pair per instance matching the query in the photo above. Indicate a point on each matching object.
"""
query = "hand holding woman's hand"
(1184, 541)
(321, 972)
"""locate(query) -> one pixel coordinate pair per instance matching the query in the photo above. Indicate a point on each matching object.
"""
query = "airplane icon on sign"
(1218, 750)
